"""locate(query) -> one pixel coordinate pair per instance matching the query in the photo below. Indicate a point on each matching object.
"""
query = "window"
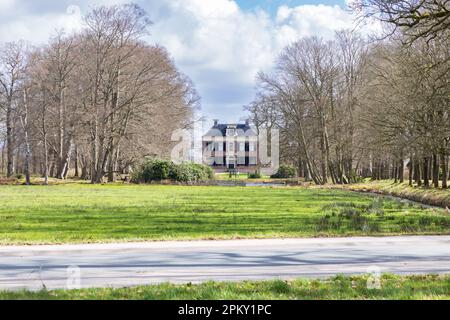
(219, 146)
(210, 146)
(242, 146)
(252, 161)
(219, 160)
(230, 132)
(231, 147)
(251, 146)
(241, 161)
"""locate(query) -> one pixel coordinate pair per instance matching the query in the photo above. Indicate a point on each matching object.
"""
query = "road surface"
(119, 265)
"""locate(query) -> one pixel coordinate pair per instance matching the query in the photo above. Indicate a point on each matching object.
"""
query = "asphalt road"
(119, 265)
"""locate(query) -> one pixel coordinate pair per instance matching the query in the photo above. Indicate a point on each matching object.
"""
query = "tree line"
(352, 107)
(92, 102)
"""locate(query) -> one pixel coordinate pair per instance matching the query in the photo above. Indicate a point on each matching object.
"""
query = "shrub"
(198, 172)
(152, 170)
(285, 172)
(136, 175)
(203, 172)
(191, 172)
(355, 178)
(210, 172)
(181, 173)
(157, 170)
(255, 175)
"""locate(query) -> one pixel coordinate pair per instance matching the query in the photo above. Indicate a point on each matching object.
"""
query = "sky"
(220, 44)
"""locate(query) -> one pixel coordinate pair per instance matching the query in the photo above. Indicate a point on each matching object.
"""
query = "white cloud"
(309, 20)
(6, 5)
(216, 43)
(217, 35)
(19, 19)
(37, 30)
(216, 38)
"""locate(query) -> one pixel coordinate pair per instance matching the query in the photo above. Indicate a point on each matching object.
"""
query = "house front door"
(231, 163)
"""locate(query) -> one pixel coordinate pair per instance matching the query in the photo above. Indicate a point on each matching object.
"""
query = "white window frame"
(231, 132)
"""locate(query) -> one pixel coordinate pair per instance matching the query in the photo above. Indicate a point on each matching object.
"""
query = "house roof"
(220, 130)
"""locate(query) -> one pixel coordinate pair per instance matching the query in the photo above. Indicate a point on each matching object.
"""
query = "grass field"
(82, 213)
(348, 288)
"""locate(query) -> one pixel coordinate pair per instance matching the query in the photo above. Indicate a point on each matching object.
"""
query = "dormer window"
(231, 132)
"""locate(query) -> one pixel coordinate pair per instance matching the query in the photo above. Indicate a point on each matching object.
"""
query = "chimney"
(216, 122)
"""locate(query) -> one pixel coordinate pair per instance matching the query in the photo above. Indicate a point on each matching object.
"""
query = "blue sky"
(272, 5)
(220, 44)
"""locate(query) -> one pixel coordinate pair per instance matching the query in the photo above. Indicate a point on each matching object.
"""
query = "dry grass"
(429, 196)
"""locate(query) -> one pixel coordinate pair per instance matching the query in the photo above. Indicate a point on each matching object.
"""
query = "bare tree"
(348, 109)
(427, 19)
(23, 114)
(99, 100)
(12, 65)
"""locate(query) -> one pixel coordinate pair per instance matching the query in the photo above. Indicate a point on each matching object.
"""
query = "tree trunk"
(401, 171)
(104, 162)
(435, 171)
(17, 160)
(396, 172)
(66, 160)
(9, 140)
(94, 154)
(426, 177)
(417, 172)
(444, 167)
(61, 132)
(112, 163)
(311, 172)
(411, 169)
(2, 167)
(84, 168)
(327, 154)
(77, 173)
(27, 163)
(380, 170)
(53, 165)
(111, 169)
(46, 173)
(24, 121)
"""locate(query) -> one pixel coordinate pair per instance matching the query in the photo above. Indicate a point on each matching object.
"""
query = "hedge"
(158, 170)
(285, 172)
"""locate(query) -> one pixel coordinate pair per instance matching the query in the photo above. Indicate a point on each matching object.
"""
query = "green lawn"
(348, 288)
(82, 213)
